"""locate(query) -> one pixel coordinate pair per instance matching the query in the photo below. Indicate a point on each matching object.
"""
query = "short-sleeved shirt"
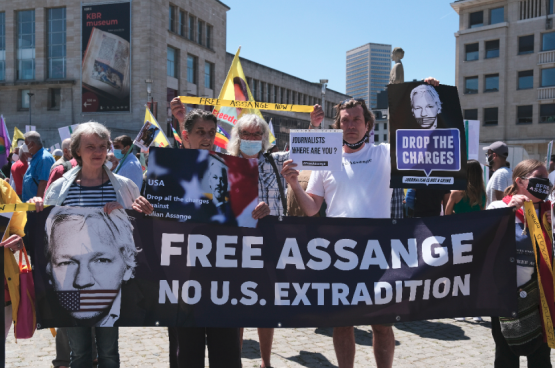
(18, 170)
(39, 170)
(500, 180)
(131, 169)
(361, 188)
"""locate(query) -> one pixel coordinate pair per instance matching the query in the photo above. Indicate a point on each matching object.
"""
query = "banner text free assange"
(380, 292)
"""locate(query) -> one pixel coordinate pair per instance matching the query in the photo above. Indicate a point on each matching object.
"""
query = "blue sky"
(309, 38)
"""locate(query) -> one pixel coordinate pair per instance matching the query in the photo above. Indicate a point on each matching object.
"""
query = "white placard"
(65, 132)
(316, 149)
(473, 138)
(30, 128)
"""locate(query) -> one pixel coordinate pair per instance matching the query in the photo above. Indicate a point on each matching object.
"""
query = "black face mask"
(539, 187)
(490, 160)
(355, 145)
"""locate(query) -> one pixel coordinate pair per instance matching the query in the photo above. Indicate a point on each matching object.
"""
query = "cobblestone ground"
(436, 343)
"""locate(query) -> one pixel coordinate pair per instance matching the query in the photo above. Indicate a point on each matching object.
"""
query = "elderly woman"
(530, 183)
(92, 184)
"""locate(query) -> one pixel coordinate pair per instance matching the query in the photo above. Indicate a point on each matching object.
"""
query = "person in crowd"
(60, 170)
(470, 200)
(19, 168)
(527, 176)
(36, 176)
(130, 167)
(6, 169)
(65, 156)
(187, 344)
(57, 154)
(497, 154)
(111, 161)
(552, 172)
(91, 184)
(372, 170)
(429, 202)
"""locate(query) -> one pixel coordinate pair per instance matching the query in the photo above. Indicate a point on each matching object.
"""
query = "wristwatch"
(314, 126)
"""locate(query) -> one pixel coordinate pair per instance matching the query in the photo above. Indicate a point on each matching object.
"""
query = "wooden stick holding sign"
(316, 149)
(245, 104)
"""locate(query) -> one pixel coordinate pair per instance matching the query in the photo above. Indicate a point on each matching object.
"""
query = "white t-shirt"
(500, 180)
(361, 188)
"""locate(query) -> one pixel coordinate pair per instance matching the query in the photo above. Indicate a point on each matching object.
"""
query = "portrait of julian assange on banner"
(127, 269)
(428, 142)
(202, 186)
(106, 64)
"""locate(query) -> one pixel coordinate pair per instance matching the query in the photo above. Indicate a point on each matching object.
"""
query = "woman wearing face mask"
(530, 183)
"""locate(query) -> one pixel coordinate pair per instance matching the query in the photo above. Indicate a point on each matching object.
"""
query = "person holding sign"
(513, 337)
(360, 190)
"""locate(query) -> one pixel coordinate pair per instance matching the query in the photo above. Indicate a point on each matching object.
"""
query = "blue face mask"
(118, 154)
(250, 148)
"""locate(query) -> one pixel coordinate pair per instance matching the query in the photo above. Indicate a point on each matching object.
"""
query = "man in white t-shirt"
(359, 190)
(502, 177)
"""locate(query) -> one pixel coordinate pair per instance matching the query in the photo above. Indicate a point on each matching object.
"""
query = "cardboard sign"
(316, 149)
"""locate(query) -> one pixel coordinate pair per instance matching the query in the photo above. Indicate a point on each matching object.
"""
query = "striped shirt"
(97, 196)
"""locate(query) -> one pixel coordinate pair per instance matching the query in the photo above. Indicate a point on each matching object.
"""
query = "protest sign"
(240, 104)
(316, 149)
(472, 130)
(146, 135)
(67, 131)
(428, 145)
(293, 272)
(202, 186)
(549, 153)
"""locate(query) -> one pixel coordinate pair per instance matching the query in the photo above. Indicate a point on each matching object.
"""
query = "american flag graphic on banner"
(86, 300)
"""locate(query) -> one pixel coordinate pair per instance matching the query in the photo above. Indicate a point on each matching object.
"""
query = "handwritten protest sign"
(316, 149)
(245, 104)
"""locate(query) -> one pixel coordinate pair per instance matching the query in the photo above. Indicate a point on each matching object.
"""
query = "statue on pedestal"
(397, 74)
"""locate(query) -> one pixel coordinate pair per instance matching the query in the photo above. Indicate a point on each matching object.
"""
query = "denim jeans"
(106, 343)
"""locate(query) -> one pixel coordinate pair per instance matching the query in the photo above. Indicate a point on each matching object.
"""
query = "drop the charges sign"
(316, 149)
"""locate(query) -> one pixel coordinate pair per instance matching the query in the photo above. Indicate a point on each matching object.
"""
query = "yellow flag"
(235, 88)
(17, 135)
(161, 140)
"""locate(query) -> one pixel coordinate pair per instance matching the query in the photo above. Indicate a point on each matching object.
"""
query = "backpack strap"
(270, 158)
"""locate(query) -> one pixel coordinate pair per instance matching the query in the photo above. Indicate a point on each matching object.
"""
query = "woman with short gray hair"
(92, 184)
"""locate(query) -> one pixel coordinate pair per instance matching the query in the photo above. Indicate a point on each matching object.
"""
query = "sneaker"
(478, 319)
(459, 319)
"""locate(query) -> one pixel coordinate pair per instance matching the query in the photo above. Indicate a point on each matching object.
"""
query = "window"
(199, 32)
(171, 25)
(550, 6)
(191, 28)
(548, 77)
(54, 95)
(497, 15)
(476, 19)
(526, 79)
(385, 137)
(263, 91)
(24, 99)
(491, 83)
(182, 26)
(376, 138)
(471, 114)
(57, 43)
(268, 92)
(547, 113)
(171, 64)
(2, 46)
(254, 90)
(191, 69)
(471, 85)
(548, 41)
(524, 114)
(208, 75)
(275, 94)
(492, 49)
(491, 116)
(26, 44)
(209, 36)
(472, 52)
(526, 45)
(385, 126)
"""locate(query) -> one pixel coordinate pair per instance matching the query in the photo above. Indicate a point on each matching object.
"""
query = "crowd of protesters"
(92, 170)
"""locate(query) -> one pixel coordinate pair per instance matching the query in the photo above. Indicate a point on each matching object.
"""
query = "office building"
(367, 69)
(505, 70)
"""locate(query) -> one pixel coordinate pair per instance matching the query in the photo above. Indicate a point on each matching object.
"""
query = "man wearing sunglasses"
(496, 155)
(359, 190)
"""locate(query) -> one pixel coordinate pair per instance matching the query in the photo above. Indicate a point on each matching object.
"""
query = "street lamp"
(324, 83)
(30, 95)
(148, 88)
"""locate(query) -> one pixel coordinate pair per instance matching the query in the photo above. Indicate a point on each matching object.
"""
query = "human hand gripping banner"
(127, 269)
(428, 145)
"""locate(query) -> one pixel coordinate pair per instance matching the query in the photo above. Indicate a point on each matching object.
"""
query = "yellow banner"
(245, 104)
(537, 235)
(17, 207)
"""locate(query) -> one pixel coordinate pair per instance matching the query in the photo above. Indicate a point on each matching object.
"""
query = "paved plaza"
(436, 343)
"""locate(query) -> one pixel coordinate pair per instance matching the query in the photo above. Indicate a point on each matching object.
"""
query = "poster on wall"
(428, 141)
(106, 57)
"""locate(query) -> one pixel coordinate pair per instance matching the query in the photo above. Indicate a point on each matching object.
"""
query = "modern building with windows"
(40, 54)
(505, 70)
(368, 68)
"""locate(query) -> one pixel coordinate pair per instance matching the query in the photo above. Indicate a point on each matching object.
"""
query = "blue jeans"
(106, 343)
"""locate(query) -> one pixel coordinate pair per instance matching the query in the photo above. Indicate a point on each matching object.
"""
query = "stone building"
(505, 70)
(271, 85)
(180, 46)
